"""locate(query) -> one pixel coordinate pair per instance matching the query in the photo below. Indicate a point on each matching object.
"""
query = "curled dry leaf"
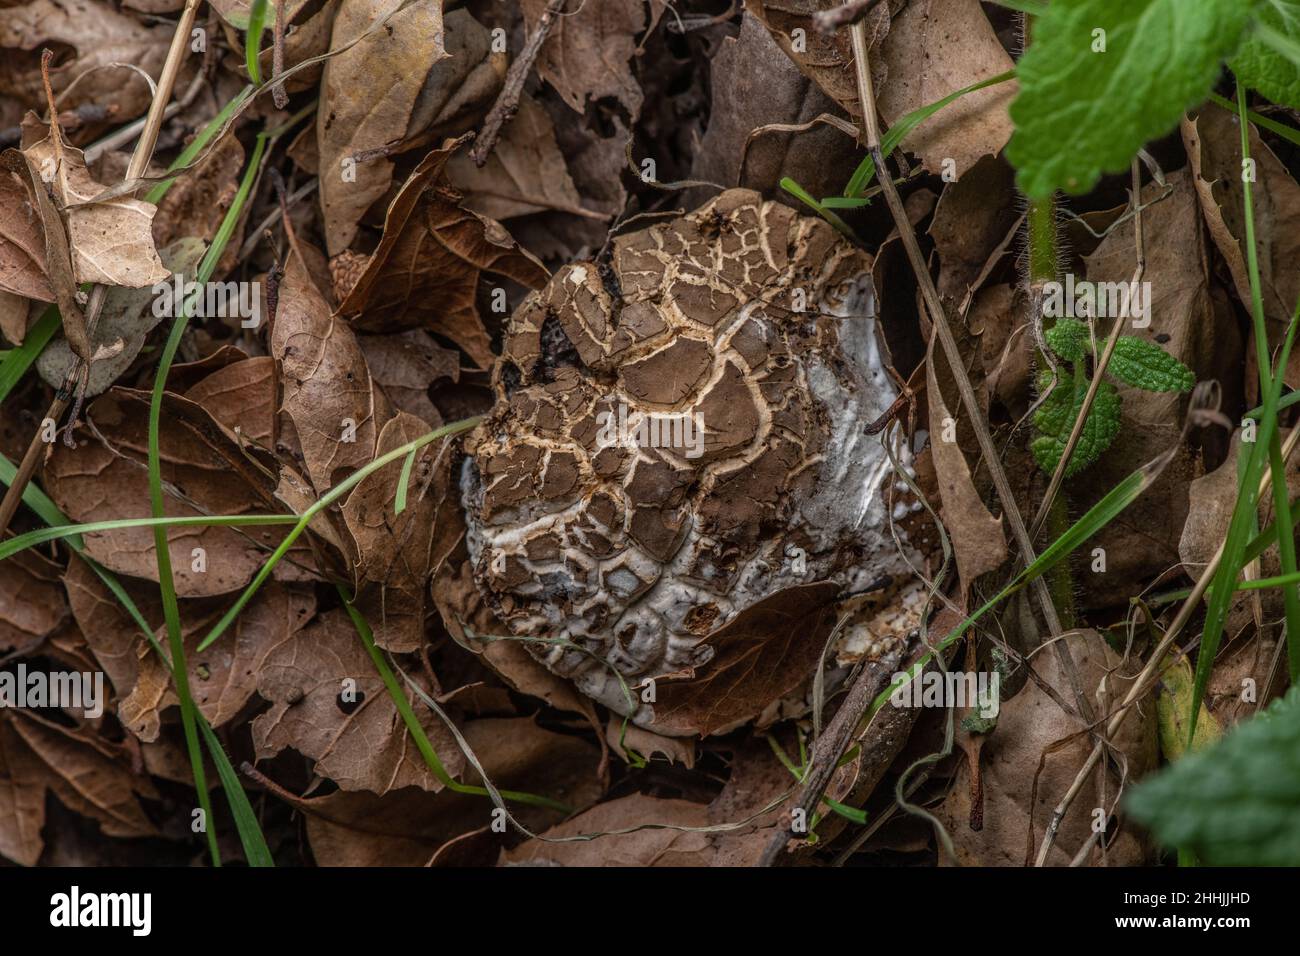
(367, 94)
(111, 242)
(427, 269)
(979, 542)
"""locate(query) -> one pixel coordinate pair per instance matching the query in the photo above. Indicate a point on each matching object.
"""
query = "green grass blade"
(404, 479)
(30, 539)
(805, 197)
(17, 361)
(895, 135)
(250, 831)
(162, 553)
(1242, 525)
(412, 722)
(253, 41)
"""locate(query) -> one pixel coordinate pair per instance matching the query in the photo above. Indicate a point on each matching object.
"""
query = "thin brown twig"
(279, 96)
(507, 103)
(846, 14)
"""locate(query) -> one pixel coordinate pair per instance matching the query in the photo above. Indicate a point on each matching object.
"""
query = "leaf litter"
(392, 683)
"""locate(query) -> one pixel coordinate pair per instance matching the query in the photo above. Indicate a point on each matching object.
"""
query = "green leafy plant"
(1135, 362)
(1232, 804)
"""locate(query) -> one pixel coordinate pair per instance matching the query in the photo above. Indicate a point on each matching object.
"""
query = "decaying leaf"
(329, 705)
(427, 269)
(367, 94)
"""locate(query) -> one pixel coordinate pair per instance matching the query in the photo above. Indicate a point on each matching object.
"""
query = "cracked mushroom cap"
(678, 436)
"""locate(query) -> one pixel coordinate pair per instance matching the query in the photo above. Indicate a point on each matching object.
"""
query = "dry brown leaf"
(111, 242)
(86, 774)
(979, 542)
(31, 602)
(367, 94)
(241, 396)
(587, 54)
(328, 395)
(99, 35)
(406, 365)
(826, 60)
(1029, 725)
(105, 477)
(767, 651)
(760, 86)
(392, 573)
(460, 88)
(1213, 141)
(933, 48)
(22, 240)
(427, 268)
(58, 255)
(408, 828)
(360, 744)
(653, 846)
(525, 172)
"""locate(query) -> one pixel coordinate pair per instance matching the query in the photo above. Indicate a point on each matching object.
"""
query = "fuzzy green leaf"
(1263, 68)
(1233, 804)
(1082, 113)
(1068, 338)
(1055, 418)
(1146, 365)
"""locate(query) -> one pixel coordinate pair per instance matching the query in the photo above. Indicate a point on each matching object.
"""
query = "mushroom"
(678, 435)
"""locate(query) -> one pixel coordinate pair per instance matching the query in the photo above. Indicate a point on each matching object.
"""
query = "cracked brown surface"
(743, 315)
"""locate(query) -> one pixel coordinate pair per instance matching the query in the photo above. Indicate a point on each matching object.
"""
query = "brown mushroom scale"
(677, 436)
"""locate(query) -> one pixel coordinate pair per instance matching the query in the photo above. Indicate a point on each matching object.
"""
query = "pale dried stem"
(952, 353)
